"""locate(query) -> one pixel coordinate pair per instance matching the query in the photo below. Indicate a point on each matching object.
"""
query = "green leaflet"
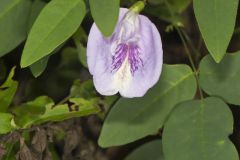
(199, 130)
(13, 23)
(221, 79)
(151, 150)
(132, 119)
(105, 14)
(216, 20)
(55, 24)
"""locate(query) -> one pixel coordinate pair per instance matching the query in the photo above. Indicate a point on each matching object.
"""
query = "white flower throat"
(126, 54)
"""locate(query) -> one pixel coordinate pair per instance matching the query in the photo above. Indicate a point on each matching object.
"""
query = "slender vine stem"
(186, 48)
(194, 49)
(190, 59)
(184, 36)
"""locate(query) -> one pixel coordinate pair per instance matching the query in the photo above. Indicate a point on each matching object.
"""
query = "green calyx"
(138, 6)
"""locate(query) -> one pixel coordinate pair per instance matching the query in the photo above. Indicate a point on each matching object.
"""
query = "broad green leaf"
(55, 24)
(5, 123)
(216, 20)
(80, 107)
(38, 67)
(7, 92)
(37, 7)
(105, 14)
(27, 113)
(13, 23)
(151, 150)
(221, 79)
(132, 119)
(199, 130)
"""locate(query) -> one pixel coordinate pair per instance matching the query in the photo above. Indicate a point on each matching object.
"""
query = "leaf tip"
(218, 59)
(24, 63)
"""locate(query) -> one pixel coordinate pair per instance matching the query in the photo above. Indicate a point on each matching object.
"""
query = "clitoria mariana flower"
(128, 62)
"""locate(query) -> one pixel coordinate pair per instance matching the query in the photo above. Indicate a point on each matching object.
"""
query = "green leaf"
(151, 150)
(38, 67)
(132, 119)
(7, 92)
(27, 113)
(105, 14)
(37, 7)
(43, 109)
(216, 20)
(221, 79)
(13, 23)
(199, 130)
(5, 123)
(55, 24)
(80, 107)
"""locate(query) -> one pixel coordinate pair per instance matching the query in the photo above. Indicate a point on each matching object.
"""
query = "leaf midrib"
(216, 22)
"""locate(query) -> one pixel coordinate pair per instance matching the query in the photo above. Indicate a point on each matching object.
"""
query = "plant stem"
(182, 34)
(191, 60)
(186, 48)
(194, 49)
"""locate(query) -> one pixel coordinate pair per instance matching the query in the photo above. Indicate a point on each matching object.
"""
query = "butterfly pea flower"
(128, 62)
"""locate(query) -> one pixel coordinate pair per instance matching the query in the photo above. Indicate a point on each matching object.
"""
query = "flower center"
(131, 51)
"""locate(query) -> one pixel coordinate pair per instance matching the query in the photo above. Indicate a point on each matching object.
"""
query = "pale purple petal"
(128, 62)
(153, 58)
(98, 47)
(98, 59)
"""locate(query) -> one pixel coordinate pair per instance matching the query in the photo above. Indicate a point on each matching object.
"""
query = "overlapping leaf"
(55, 24)
(222, 79)
(13, 23)
(216, 20)
(105, 14)
(151, 150)
(132, 119)
(199, 130)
